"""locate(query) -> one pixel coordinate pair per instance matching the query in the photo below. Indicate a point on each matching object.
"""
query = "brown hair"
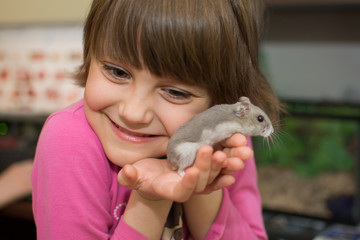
(207, 43)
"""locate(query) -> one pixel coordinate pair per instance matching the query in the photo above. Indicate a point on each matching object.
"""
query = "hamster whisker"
(266, 143)
(274, 139)
(282, 134)
(278, 124)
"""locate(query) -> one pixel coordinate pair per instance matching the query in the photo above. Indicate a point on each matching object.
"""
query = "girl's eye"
(116, 73)
(177, 95)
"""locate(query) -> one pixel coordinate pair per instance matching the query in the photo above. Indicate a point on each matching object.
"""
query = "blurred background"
(309, 174)
(40, 48)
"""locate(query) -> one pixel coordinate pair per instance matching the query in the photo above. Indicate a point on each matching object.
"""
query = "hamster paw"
(181, 173)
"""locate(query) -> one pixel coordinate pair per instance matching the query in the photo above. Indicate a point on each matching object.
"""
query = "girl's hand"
(229, 157)
(154, 179)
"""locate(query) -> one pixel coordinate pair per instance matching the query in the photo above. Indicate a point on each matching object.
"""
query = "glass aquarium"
(310, 166)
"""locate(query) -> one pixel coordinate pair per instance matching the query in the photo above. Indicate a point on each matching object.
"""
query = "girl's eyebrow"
(111, 64)
(107, 58)
(110, 61)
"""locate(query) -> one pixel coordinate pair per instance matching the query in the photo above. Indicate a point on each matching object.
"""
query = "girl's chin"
(131, 157)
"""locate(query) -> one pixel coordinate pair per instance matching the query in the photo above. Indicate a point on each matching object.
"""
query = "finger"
(221, 181)
(233, 164)
(218, 162)
(178, 190)
(189, 180)
(186, 187)
(219, 158)
(127, 177)
(236, 140)
(203, 164)
(244, 153)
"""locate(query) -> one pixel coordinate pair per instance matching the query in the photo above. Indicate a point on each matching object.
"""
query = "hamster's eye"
(260, 118)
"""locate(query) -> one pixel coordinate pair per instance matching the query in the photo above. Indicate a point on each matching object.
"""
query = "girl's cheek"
(176, 120)
(98, 93)
(92, 99)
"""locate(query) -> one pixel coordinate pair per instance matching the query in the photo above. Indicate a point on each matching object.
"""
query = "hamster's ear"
(242, 109)
(244, 100)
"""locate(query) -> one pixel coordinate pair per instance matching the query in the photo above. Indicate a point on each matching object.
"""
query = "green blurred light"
(3, 128)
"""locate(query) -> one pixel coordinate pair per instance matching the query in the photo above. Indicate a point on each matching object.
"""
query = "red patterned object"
(35, 75)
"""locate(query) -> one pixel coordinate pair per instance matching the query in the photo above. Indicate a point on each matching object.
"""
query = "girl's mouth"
(130, 132)
(131, 136)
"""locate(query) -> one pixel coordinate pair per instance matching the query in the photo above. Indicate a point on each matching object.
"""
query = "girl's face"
(134, 113)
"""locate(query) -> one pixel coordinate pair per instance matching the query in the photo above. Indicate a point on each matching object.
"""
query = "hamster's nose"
(268, 131)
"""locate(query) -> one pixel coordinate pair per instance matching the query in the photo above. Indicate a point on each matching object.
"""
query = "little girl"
(100, 169)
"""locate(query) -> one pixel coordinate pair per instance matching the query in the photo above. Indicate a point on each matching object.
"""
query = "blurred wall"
(43, 11)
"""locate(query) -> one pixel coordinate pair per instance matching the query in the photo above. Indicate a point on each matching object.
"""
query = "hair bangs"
(170, 39)
(117, 34)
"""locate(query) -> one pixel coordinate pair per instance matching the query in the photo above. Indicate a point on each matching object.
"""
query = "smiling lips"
(130, 136)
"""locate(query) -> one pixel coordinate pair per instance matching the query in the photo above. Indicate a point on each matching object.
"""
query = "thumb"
(127, 177)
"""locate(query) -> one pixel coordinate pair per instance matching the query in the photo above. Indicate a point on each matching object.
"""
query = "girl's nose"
(136, 110)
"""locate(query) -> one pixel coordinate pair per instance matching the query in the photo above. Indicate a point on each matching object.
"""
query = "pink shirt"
(76, 194)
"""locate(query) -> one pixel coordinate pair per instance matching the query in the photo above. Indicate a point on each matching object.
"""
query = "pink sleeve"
(124, 231)
(71, 185)
(240, 216)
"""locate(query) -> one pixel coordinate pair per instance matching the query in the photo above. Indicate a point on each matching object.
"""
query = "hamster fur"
(214, 125)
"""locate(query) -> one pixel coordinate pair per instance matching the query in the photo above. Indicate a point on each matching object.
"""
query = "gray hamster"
(214, 125)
